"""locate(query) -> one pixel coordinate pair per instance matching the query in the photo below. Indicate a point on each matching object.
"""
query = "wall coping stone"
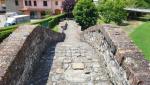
(128, 55)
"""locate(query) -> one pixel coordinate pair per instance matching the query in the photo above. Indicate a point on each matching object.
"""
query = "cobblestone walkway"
(71, 62)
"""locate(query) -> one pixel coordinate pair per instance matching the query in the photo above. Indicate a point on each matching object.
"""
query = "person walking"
(64, 27)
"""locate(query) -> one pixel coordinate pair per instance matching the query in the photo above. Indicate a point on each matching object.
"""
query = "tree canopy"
(85, 13)
(138, 3)
(68, 5)
(112, 10)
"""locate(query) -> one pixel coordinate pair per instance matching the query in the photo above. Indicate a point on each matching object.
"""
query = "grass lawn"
(141, 37)
(132, 25)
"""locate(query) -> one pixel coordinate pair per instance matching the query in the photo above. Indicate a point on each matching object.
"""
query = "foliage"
(8, 28)
(5, 33)
(130, 3)
(148, 1)
(142, 3)
(48, 12)
(138, 3)
(99, 21)
(68, 5)
(112, 10)
(55, 20)
(49, 22)
(42, 21)
(85, 13)
(56, 28)
(141, 37)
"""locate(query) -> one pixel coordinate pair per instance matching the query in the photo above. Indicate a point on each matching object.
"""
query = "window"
(16, 2)
(56, 3)
(28, 3)
(2, 1)
(44, 3)
(35, 4)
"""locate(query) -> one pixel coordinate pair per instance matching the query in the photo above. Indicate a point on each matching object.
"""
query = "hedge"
(5, 34)
(41, 21)
(55, 20)
(8, 28)
(6, 31)
(49, 22)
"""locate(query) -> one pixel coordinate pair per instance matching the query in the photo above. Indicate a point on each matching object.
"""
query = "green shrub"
(55, 20)
(42, 21)
(4, 34)
(48, 22)
(112, 10)
(6, 31)
(138, 3)
(85, 13)
(130, 3)
(56, 28)
(143, 3)
(8, 28)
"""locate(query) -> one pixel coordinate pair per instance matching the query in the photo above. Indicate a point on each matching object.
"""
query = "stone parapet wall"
(22, 50)
(94, 37)
(123, 58)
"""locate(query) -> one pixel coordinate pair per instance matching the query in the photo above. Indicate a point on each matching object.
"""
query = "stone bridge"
(100, 55)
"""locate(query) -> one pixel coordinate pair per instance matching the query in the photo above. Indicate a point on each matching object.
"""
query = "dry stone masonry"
(100, 55)
(122, 57)
(94, 37)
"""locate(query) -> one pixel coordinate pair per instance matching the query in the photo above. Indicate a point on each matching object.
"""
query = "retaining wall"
(124, 60)
(21, 51)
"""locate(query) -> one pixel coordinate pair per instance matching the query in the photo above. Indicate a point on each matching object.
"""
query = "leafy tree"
(68, 5)
(148, 1)
(138, 3)
(112, 10)
(143, 3)
(130, 3)
(85, 13)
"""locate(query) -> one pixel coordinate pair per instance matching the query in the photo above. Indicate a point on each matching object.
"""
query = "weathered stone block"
(78, 66)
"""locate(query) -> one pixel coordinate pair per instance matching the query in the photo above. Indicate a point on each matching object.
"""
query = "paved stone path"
(71, 62)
